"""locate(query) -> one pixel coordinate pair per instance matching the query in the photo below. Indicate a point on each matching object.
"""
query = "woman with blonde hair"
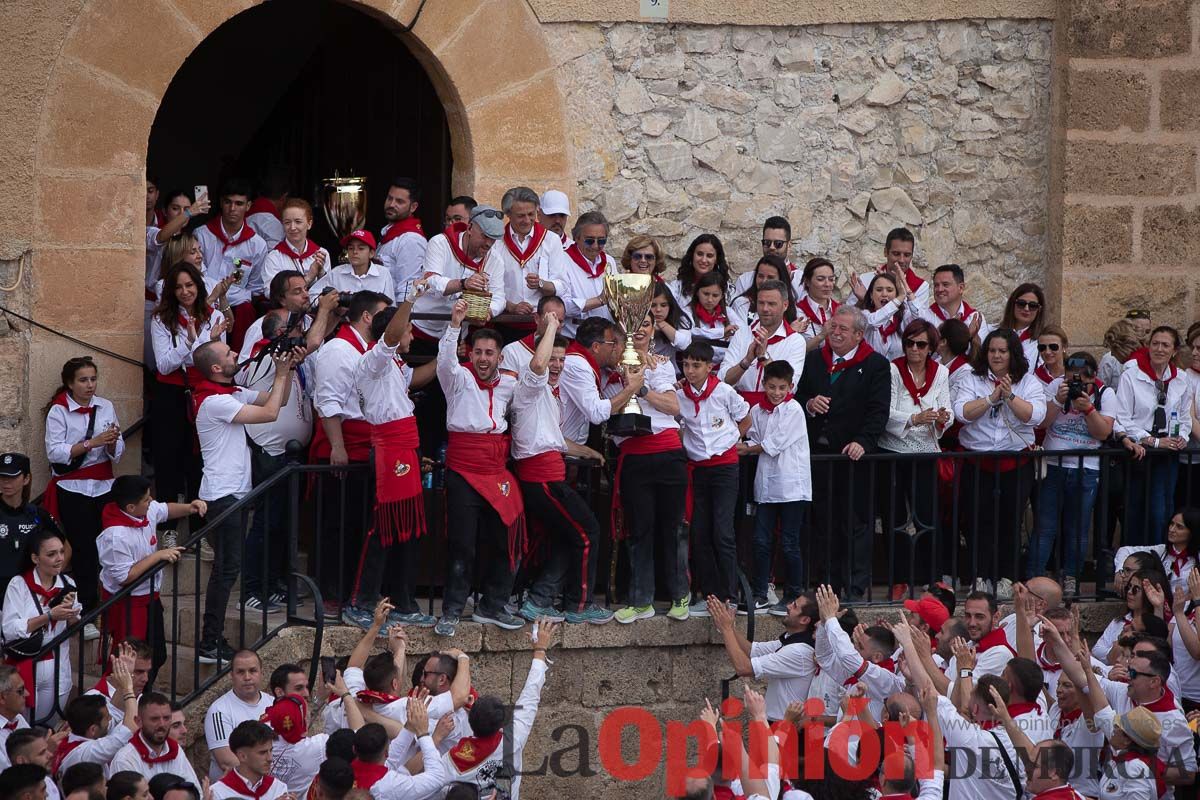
(1120, 340)
(644, 256)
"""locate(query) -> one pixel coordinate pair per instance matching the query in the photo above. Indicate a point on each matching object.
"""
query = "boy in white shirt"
(778, 435)
(252, 743)
(713, 417)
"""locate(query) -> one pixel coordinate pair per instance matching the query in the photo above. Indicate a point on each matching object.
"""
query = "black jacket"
(860, 400)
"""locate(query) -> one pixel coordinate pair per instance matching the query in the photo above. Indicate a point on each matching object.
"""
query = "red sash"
(471, 751)
(964, 311)
(816, 315)
(127, 618)
(860, 355)
(712, 319)
(399, 503)
(535, 241)
(663, 442)
(906, 376)
(143, 750)
(216, 229)
(996, 638)
(583, 264)
(235, 782)
(480, 459)
(100, 471)
(580, 350)
(453, 234)
(407, 225)
(310, 250)
(710, 386)
(730, 456)
(1157, 768)
(356, 435)
(547, 467)
(177, 378)
(64, 749)
(367, 775)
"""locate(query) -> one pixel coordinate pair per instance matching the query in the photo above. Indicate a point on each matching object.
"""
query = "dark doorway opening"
(305, 87)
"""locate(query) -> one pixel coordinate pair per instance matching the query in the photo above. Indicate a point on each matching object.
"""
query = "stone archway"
(104, 90)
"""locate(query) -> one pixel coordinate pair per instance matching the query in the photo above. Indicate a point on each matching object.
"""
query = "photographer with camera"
(361, 274)
(288, 291)
(1079, 416)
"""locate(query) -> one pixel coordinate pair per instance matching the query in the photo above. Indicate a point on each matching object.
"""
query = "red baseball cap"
(288, 717)
(931, 611)
(363, 236)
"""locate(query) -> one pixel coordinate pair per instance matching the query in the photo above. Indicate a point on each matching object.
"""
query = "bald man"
(1047, 594)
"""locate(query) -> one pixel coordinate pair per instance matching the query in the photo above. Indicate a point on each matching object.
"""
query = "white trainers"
(90, 632)
(1004, 589)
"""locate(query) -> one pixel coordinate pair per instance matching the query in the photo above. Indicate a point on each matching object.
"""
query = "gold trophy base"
(479, 306)
(630, 420)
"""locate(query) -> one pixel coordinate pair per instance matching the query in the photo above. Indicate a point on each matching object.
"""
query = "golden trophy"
(629, 297)
(344, 201)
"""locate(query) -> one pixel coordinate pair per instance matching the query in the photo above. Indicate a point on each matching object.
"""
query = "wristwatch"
(966, 673)
(642, 392)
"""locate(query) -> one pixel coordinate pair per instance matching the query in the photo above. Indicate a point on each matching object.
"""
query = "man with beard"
(231, 247)
(402, 241)
(553, 213)
(151, 751)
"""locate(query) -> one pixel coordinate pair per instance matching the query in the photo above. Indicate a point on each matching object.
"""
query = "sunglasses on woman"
(1051, 346)
(919, 344)
(1028, 305)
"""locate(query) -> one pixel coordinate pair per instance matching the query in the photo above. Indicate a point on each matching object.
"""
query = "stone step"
(184, 574)
(187, 670)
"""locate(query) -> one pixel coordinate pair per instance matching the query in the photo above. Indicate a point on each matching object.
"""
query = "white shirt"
(267, 225)
(172, 350)
(537, 413)
(784, 474)
(1179, 581)
(219, 260)
(277, 261)
(788, 670)
(1137, 399)
(660, 377)
(1175, 746)
(66, 427)
(96, 751)
(223, 445)
(403, 257)
(336, 393)
(838, 656)
(4, 733)
(382, 379)
(397, 785)
(579, 386)
(713, 429)
(579, 287)
(120, 547)
(295, 420)
(128, 758)
(713, 334)
(926, 311)
(989, 778)
(892, 347)
(275, 790)
(790, 348)
(297, 764)
(822, 316)
(998, 428)
(441, 267)
(226, 713)
(548, 262)
(1069, 430)
(745, 279)
(20, 608)
(470, 408)
(920, 296)
(116, 714)
(343, 278)
(991, 661)
(1183, 667)
(1127, 780)
(1111, 633)
(900, 436)
(403, 746)
(515, 356)
(1110, 370)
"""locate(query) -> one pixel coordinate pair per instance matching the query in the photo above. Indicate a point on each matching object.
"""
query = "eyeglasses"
(594, 242)
(919, 344)
(1053, 347)
(609, 342)
(1133, 673)
(487, 212)
(642, 257)
(1133, 589)
(774, 244)
(1030, 305)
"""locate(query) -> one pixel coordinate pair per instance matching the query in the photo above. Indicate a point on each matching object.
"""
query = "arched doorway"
(292, 92)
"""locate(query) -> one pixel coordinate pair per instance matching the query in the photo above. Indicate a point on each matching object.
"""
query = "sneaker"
(168, 539)
(778, 610)
(416, 619)
(679, 610)
(983, 585)
(772, 595)
(331, 610)
(1070, 586)
(1004, 590)
(760, 607)
(217, 653)
(446, 625)
(255, 604)
(532, 612)
(899, 591)
(358, 616)
(278, 598)
(592, 614)
(206, 551)
(698, 609)
(90, 632)
(630, 614)
(501, 619)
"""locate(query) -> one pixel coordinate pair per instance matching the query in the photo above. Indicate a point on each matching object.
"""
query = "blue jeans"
(1067, 496)
(792, 518)
(1150, 500)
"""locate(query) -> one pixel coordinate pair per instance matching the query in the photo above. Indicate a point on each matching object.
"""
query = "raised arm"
(362, 650)
(1023, 605)
(736, 645)
(541, 357)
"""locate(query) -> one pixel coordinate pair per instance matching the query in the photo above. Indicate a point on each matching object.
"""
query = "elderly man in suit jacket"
(846, 390)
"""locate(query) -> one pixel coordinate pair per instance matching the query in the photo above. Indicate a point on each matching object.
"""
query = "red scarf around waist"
(100, 471)
(356, 436)
(481, 460)
(397, 229)
(399, 502)
(662, 442)
(124, 619)
(535, 241)
(730, 456)
(547, 467)
(218, 230)
(367, 775)
(471, 751)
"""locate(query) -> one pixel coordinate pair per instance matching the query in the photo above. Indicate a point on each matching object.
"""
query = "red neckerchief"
(1043, 374)
(205, 389)
(367, 775)
(454, 235)
(347, 334)
(1178, 559)
(104, 687)
(1066, 719)
(913, 280)
(1142, 357)
(64, 749)
(1162, 704)
(258, 346)
(310, 249)
(60, 399)
(1025, 335)
(710, 385)
(408, 225)
(996, 638)
(578, 349)
(1017, 709)
(471, 751)
(160, 217)
(777, 336)
(906, 376)
(535, 241)
(46, 595)
(216, 229)
(807, 310)
(583, 264)
(1156, 765)
(769, 407)
(262, 205)
(143, 750)
(486, 386)
(964, 311)
(529, 343)
(711, 318)
(235, 781)
(1045, 663)
(374, 698)
(113, 517)
(12, 725)
(860, 355)
(886, 331)
(1064, 792)
(957, 363)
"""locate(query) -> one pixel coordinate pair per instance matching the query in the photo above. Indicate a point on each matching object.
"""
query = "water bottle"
(1173, 425)
(439, 471)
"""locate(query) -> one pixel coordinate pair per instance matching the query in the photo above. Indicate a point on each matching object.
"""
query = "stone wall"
(1130, 129)
(848, 130)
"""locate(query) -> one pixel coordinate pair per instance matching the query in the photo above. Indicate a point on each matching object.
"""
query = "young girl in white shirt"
(817, 306)
(710, 316)
(883, 306)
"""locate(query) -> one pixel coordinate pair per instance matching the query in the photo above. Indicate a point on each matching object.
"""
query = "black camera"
(344, 298)
(1076, 388)
(285, 343)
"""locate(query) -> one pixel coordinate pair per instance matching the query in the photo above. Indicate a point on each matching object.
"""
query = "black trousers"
(471, 525)
(573, 544)
(653, 493)
(177, 463)
(908, 490)
(993, 503)
(345, 517)
(841, 512)
(398, 564)
(714, 547)
(81, 522)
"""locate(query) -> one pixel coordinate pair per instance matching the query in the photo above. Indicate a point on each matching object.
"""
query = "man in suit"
(846, 390)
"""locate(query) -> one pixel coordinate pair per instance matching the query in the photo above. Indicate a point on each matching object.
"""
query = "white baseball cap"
(555, 202)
